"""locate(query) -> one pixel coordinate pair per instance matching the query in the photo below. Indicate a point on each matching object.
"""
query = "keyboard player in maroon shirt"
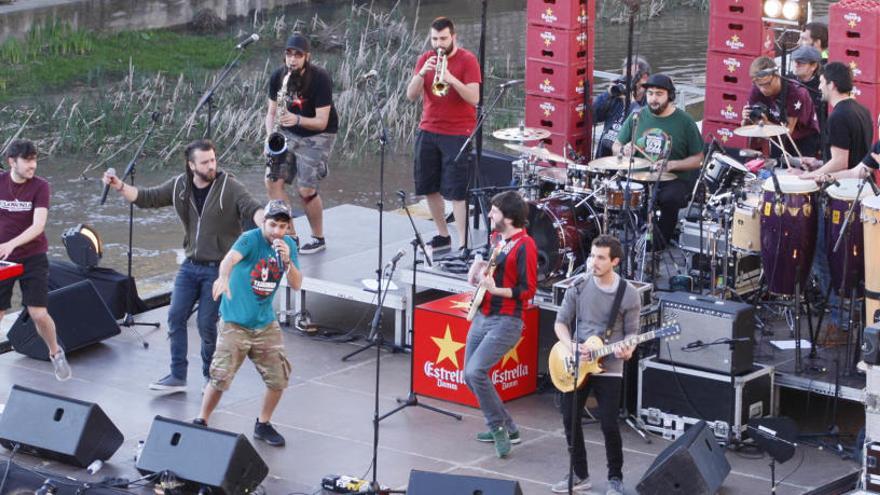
(24, 208)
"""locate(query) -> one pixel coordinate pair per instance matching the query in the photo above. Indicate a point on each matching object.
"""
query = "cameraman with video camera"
(766, 106)
(609, 106)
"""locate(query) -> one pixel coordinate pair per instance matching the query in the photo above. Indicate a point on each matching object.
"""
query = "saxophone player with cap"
(300, 108)
(447, 79)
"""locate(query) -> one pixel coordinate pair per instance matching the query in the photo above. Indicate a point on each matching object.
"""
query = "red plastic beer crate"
(740, 36)
(579, 141)
(564, 14)
(747, 9)
(725, 103)
(559, 116)
(565, 82)
(561, 46)
(723, 132)
(868, 95)
(854, 22)
(864, 61)
(728, 70)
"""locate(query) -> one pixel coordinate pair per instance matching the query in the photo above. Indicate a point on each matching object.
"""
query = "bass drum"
(561, 232)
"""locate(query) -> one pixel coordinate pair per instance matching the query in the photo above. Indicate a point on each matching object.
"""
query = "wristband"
(298, 119)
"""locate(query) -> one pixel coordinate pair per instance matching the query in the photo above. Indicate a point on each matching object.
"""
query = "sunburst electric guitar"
(480, 291)
(562, 362)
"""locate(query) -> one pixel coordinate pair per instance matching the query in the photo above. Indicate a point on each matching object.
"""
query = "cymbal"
(537, 152)
(652, 176)
(760, 130)
(520, 134)
(616, 163)
(730, 162)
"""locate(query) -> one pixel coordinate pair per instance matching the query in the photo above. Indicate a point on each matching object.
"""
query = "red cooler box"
(561, 46)
(747, 9)
(578, 140)
(725, 103)
(559, 116)
(561, 81)
(740, 35)
(869, 96)
(864, 61)
(854, 22)
(439, 339)
(728, 70)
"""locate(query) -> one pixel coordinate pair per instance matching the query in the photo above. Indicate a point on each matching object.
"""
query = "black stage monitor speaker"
(428, 483)
(81, 319)
(55, 427)
(706, 324)
(693, 465)
(200, 456)
(496, 169)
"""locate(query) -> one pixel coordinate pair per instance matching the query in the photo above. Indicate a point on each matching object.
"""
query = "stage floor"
(326, 413)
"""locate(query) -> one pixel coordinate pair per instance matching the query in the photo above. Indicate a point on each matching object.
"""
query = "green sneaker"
(502, 441)
(486, 436)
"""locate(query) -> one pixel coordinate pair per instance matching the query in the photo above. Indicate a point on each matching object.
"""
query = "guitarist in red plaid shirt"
(498, 325)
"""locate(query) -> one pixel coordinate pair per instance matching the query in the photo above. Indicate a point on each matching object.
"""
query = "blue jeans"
(193, 284)
(488, 340)
(822, 269)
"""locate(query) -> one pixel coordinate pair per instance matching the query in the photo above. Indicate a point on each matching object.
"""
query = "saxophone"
(276, 143)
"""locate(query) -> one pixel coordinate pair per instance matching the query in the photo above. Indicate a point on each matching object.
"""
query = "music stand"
(776, 437)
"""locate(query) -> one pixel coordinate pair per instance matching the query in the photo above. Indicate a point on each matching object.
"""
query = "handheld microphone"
(750, 153)
(250, 39)
(111, 171)
(510, 83)
(276, 245)
(831, 181)
(366, 77)
(393, 261)
(401, 194)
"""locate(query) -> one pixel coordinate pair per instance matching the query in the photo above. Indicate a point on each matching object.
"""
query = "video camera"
(758, 112)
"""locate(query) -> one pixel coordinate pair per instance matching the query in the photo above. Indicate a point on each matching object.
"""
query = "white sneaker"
(61, 366)
(580, 485)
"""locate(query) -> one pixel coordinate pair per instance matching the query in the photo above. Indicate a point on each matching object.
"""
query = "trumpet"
(440, 87)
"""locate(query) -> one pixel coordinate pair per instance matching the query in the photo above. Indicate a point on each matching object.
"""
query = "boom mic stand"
(380, 205)
(418, 245)
(128, 319)
(208, 96)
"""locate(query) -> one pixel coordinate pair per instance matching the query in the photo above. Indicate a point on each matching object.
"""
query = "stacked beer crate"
(854, 39)
(737, 35)
(559, 71)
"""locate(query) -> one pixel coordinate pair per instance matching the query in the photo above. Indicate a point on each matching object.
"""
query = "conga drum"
(871, 234)
(788, 233)
(840, 198)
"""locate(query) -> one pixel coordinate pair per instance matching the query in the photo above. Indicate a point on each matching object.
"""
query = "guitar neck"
(629, 341)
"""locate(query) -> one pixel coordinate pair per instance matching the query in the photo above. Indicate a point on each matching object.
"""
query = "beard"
(207, 177)
(449, 49)
(660, 108)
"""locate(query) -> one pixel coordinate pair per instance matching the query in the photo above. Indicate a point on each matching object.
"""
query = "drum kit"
(576, 200)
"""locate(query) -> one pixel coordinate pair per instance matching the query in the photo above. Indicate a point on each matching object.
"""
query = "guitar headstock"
(670, 330)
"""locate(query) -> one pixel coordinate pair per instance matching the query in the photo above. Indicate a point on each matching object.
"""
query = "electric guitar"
(562, 362)
(480, 291)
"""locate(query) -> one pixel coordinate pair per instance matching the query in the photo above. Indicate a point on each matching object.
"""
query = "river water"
(674, 43)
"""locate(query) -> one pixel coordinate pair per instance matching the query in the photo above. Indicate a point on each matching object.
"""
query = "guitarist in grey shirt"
(590, 302)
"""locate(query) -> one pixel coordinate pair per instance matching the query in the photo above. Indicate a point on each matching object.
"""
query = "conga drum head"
(847, 190)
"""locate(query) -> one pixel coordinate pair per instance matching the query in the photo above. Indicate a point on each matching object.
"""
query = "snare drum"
(746, 228)
(550, 179)
(723, 171)
(559, 230)
(614, 194)
(788, 233)
(841, 198)
(871, 234)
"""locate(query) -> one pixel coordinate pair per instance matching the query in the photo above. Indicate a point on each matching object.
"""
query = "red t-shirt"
(17, 205)
(450, 114)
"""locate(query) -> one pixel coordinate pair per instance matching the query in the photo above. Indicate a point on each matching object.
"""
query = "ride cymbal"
(520, 134)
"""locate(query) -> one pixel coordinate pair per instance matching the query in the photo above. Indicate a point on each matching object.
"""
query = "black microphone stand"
(380, 205)
(413, 399)
(128, 319)
(208, 96)
(575, 412)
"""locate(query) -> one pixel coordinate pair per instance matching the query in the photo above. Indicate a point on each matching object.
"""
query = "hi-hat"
(537, 152)
(760, 130)
(615, 162)
(730, 162)
(521, 134)
(652, 176)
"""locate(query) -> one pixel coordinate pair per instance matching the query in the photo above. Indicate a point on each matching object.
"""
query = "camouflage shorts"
(307, 159)
(265, 347)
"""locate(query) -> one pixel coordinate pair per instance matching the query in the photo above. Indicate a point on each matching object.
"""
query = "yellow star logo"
(735, 38)
(731, 68)
(512, 353)
(460, 305)
(448, 348)
(852, 23)
(549, 12)
(853, 65)
(724, 138)
(546, 82)
(729, 108)
(547, 42)
(547, 113)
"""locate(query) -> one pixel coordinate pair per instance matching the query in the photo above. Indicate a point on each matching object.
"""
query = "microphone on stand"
(776, 185)
(393, 261)
(510, 83)
(873, 184)
(111, 171)
(366, 77)
(250, 39)
(831, 181)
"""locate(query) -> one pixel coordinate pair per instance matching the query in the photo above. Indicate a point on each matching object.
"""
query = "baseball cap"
(808, 54)
(661, 81)
(299, 42)
(277, 208)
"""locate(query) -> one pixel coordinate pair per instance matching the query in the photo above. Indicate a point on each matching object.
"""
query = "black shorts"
(434, 170)
(34, 284)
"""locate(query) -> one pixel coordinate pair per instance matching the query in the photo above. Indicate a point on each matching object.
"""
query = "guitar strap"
(618, 298)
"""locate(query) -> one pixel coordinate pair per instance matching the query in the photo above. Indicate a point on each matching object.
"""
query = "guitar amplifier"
(716, 335)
